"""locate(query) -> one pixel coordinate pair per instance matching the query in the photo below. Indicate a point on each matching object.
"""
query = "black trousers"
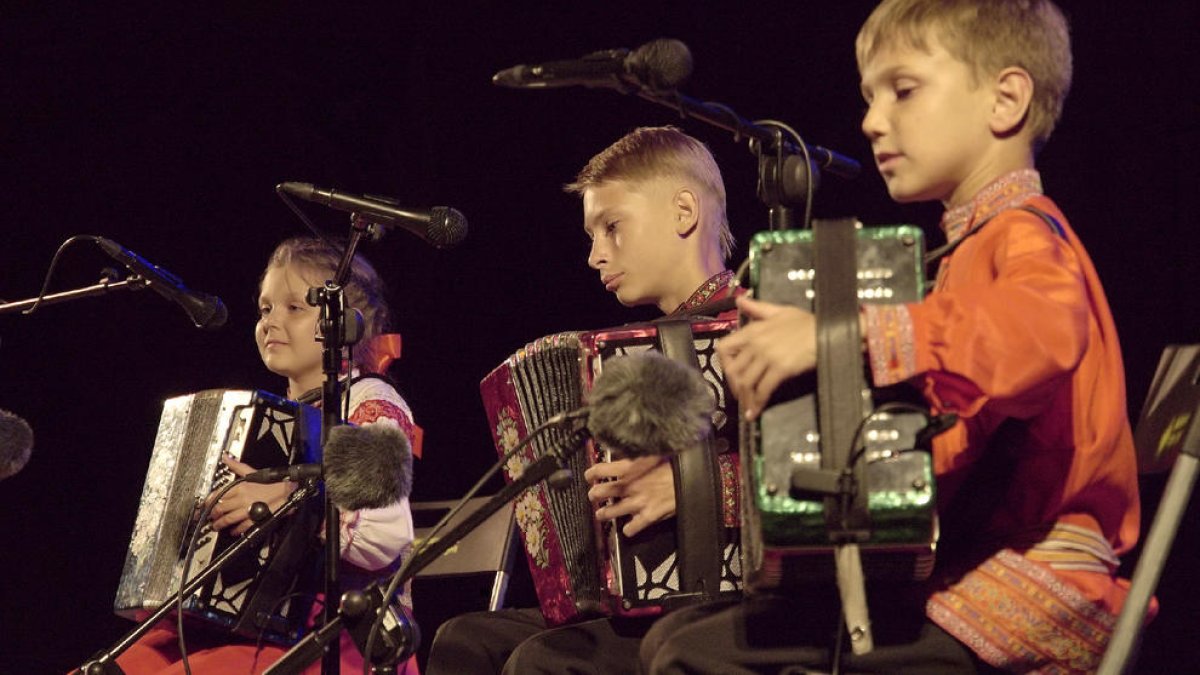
(515, 641)
(794, 635)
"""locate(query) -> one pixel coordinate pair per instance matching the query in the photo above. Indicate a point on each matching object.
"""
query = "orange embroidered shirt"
(1037, 483)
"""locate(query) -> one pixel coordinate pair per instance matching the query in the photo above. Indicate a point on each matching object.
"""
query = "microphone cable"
(54, 263)
(187, 566)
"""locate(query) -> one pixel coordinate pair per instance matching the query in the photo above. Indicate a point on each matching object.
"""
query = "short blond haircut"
(652, 152)
(987, 35)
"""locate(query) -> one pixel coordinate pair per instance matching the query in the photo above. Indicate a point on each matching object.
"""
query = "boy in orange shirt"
(1037, 484)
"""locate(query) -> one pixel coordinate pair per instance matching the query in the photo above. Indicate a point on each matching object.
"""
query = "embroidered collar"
(707, 290)
(1007, 191)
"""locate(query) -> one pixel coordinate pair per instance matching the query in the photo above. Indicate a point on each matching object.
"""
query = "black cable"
(187, 566)
(808, 166)
(303, 217)
(857, 452)
(54, 262)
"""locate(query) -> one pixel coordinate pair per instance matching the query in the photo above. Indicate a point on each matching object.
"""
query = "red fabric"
(158, 653)
(372, 410)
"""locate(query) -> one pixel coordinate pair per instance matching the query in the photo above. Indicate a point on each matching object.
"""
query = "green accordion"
(786, 538)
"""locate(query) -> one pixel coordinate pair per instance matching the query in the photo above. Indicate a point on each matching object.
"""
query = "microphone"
(646, 404)
(441, 226)
(206, 311)
(16, 444)
(363, 468)
(660, 65)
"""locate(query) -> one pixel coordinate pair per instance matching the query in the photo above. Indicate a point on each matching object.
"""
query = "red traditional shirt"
(718, 287)
(1037, 483)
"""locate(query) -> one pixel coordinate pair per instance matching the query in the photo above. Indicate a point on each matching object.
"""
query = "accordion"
(786, 536)
(250, 595)
(581, 568)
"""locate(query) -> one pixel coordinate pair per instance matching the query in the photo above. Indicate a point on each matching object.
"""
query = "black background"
(165, 127)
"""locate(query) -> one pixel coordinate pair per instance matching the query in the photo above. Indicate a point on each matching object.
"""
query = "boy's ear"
(1013, 90)
(687, 211)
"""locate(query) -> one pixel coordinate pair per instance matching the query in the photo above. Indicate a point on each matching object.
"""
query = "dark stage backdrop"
(166, 126)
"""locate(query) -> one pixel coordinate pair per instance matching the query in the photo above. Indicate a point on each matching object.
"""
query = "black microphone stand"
(335, 334)
(107, 284)
(104, 663)
(788, 171)
(547, 467)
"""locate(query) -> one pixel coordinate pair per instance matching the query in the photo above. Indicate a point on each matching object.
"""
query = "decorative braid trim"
(1017, 615)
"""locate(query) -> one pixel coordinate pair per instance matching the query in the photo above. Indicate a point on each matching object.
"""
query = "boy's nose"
(873, 123)
(597, 255)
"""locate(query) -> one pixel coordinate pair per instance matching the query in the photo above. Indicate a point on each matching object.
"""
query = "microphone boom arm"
(132, 283)
(725, 118)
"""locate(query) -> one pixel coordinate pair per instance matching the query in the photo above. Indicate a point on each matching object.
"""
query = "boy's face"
(927, 120)
(634, 244)
(287, 327)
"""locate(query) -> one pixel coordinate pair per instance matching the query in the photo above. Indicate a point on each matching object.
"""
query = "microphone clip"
(352, 320)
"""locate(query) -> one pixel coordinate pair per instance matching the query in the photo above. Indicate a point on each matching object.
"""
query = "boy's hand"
(780, 342)
(233, 510)
(643, 488)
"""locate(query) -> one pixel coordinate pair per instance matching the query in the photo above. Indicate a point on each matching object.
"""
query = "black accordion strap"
(839, 412)
(949, 247)
(697, 485)
(839, 363)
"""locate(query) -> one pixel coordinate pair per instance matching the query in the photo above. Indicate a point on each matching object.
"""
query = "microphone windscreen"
(647, 404)
(367, 467)
(662, 64)
(16, 443)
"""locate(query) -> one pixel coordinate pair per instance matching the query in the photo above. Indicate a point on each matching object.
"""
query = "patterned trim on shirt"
(707, 290)
(1017, 615)
(729, 468)
(1006, 192)
(890, 343)
(1074, 548)
(372, 410)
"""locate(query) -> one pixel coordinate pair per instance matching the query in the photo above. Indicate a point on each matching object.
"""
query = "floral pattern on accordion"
(531, 516)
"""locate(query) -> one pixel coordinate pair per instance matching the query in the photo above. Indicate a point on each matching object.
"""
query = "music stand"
(1167, 432)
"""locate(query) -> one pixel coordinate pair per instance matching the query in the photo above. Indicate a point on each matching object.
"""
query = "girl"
(372, 540)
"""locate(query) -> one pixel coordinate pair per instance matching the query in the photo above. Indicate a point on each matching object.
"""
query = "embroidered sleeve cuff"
(890, 345)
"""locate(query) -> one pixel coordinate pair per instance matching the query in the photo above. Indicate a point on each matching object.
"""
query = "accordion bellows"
(581, 568)
(194, 431)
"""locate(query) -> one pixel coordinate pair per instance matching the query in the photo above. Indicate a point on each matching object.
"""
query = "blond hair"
(364, 289)
(650, 152)
(987, 35)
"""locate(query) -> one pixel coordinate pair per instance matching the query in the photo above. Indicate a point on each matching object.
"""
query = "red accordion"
(580, 567)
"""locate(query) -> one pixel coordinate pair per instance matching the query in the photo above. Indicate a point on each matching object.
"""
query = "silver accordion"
(252, 595)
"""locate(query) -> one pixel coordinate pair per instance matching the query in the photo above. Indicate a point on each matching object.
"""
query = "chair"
(471, 576)
(1168, 432)
(488, 549)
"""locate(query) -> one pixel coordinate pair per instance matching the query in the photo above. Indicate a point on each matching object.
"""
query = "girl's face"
(287, 328)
